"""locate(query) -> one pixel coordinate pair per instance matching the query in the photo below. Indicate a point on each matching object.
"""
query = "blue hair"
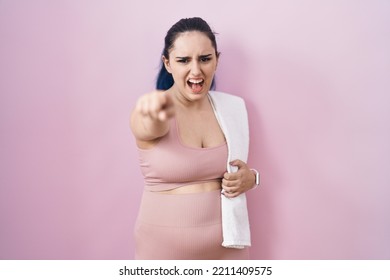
(164, 79)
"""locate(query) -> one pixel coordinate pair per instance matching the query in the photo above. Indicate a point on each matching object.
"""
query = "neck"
(181, 101)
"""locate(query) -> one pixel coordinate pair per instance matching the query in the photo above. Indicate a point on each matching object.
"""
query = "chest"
(200, 130)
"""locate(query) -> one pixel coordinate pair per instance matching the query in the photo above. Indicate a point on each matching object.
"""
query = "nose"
(195, 68)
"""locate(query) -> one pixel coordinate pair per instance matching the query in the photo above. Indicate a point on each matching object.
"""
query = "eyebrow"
(201, 56)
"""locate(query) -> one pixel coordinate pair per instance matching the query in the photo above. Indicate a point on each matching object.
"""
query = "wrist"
(257, 178)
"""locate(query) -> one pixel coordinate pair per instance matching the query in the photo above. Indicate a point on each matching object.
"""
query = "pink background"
(314, 74)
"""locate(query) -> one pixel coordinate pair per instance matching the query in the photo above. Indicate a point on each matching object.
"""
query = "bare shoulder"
(147, 145)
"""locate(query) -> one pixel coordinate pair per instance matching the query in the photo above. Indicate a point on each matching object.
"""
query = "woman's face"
(192, 63)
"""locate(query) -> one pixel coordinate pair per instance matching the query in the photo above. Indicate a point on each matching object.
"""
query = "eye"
(183, 60)
(205, 59)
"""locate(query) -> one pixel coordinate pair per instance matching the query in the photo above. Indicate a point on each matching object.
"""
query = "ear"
(166, 64)
(217, 58)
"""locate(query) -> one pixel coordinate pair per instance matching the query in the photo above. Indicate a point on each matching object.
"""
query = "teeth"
(195, 81)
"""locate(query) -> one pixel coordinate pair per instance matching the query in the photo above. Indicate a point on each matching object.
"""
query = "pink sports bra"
(170, 164)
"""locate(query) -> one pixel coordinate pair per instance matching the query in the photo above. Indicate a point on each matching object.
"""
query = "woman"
(183, 154)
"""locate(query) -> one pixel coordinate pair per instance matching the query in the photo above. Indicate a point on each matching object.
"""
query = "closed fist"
(157, 105)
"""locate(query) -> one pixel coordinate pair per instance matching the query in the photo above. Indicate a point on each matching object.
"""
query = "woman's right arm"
(150, 118)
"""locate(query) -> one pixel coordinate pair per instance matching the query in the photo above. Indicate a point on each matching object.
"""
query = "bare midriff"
(195, 188)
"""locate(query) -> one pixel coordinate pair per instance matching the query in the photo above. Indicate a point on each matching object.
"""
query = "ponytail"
(164, 79)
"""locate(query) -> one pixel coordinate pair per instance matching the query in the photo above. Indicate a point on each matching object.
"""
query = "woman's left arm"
(238, 182)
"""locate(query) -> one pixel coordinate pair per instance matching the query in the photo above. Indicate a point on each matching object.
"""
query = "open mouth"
(195, 84)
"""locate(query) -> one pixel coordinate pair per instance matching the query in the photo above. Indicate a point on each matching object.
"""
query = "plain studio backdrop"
(315, 77)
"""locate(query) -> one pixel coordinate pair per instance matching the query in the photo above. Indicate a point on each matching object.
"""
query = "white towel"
(232, 116)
